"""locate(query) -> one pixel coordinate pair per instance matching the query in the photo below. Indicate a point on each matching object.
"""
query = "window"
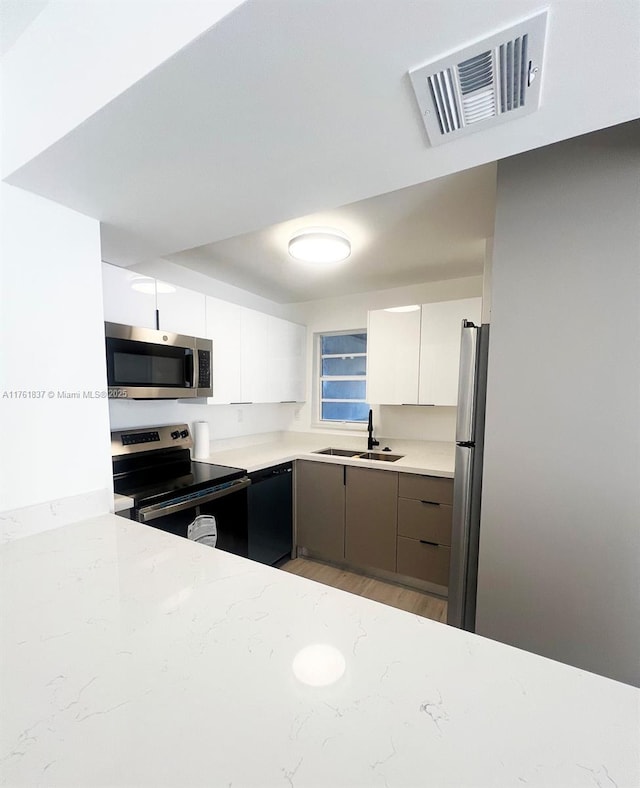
(342, 366)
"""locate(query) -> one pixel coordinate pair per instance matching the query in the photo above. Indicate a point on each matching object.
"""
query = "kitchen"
(562, 434)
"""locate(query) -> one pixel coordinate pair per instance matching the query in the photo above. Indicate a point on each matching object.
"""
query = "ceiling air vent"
(486, 83)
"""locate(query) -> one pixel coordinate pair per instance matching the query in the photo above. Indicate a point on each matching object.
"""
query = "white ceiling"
(432, 231)
(15, 17)
(288, 108)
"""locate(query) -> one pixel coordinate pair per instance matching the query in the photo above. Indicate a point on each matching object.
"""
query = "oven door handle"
(148, 513)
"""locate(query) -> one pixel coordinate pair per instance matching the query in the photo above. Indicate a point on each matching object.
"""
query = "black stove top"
(192, 478)
(153, 465)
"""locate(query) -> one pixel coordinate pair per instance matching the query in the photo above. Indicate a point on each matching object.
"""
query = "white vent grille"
(488, 82)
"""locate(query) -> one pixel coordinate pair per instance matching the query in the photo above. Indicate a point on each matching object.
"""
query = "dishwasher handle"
(148, 513)
(270, 473)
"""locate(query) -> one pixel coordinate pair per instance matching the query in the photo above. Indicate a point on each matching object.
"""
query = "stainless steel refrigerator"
(467, 486)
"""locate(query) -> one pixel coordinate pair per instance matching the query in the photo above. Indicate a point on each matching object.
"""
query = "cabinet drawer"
(424, 561)
(426, 488)
(429, 521)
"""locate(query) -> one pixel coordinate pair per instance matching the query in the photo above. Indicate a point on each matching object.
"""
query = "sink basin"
(338, 452)
(357, 455)
(380, 455)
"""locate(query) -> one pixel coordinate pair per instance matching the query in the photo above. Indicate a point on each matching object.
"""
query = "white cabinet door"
(181, 311)
(254, 362)
(393, 353)
(224, 328)
(123, 304)
(286, 373)
(440, 348)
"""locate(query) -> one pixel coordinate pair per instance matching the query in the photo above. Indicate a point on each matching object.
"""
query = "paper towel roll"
(201, 440)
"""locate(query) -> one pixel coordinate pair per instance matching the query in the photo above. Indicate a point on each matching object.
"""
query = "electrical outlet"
(240, 415)
(296, 414)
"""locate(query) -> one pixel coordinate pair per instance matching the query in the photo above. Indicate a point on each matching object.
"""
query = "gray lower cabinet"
(371, 518)
(320, 508)
(377, 519)
(424, 527)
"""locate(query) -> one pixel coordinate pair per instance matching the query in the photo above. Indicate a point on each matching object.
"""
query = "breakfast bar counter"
(131, 657)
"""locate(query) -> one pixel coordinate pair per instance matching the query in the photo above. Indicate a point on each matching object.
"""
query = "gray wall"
(560, 536)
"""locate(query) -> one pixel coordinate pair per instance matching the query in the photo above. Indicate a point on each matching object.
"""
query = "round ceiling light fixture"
(320, 245)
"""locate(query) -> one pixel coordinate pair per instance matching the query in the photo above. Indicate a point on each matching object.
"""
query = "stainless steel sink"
(338, 452)
(356, 455)
(380, 455)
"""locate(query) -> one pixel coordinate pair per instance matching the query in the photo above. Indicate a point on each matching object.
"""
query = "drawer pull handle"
(430, 503)
(433, 544)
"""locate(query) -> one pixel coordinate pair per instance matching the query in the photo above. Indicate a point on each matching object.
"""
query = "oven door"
(227, 503)
(147, 364)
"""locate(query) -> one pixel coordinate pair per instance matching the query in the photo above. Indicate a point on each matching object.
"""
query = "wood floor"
(378, 590)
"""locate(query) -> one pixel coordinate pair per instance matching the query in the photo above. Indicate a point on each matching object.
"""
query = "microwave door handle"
(191, 371)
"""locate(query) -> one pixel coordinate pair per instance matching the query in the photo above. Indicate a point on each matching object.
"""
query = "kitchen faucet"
(371, 442)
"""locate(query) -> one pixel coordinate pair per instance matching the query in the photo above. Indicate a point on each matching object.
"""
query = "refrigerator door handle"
(466, 416)
(460, 536)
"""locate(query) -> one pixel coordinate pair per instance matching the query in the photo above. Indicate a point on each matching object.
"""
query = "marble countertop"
(432, 458)
(131, 657)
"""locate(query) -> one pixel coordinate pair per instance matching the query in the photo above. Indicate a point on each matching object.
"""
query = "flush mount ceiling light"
(319, 245)
(410, 308)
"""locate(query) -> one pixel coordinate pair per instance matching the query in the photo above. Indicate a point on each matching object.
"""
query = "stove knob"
(175, 434)
(184, 434)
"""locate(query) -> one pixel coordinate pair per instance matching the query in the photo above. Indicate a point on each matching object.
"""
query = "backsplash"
(405, 422)
(417, 422)
(225, 421)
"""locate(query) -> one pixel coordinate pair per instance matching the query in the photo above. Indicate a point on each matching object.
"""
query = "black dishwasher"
(270, 510)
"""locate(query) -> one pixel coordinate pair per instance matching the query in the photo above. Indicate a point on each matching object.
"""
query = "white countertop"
(131, 657)
(433, 458)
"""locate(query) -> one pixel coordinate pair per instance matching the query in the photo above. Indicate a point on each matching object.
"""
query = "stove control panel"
(140, 437)
(131, 441)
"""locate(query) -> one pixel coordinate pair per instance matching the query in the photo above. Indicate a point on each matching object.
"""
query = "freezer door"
(465, 419)
(460, 532)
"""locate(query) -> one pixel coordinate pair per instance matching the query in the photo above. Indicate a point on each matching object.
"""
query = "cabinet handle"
(433, 544)
(431, 503)
(157, 320)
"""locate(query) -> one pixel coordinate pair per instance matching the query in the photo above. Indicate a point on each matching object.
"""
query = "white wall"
(225, 421)
(51, 340)
(350, 313)
(77, 56)
(560, 536)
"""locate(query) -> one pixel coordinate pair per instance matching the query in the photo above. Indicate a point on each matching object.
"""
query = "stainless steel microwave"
(143, 363)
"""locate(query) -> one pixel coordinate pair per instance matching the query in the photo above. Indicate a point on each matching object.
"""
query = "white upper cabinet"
(123, 304)
(224, 327)
(254, 358)
(132, 299)
(440, 348)
(287, 367)
(181, 311)
(413, 357)
(393, 353)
